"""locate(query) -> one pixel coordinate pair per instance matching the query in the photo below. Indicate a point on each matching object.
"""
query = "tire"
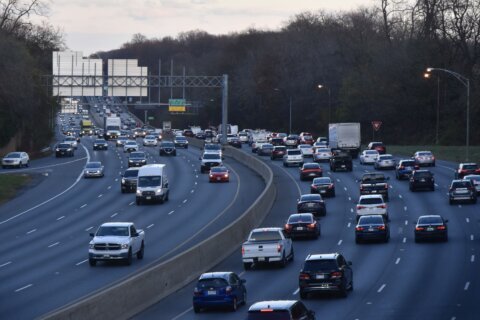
(138, 202)
(129, 259)
(247, 265)
(92, 262)
(234, 306)
(351, 286)
(450, 202)
(196, 309)
(141, 253)
(123, 190)
(167, 197)
(303, 295)
(244, 298)
(357, 240)
(343, 291)
(333, 194)
(283, 262)
(417, 240)
(292, 255)
(474, 200)
(27, 164)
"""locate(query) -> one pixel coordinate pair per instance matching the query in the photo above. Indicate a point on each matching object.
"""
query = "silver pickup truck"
(267, 245)
(116, 241)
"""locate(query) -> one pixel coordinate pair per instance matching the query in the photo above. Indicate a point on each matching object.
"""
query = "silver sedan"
(385, 161)
(93, 169)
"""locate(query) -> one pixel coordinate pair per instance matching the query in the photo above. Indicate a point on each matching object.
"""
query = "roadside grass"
(10, 184)
(448, 153)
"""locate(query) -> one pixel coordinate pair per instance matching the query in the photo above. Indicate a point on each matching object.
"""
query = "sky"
(102, 25)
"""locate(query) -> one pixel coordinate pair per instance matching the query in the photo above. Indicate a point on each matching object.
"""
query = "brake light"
(228, 289)
(266, 310)
(335, 275)
(361, 187)
(312, 225)
(441, 228)
(304, 276)
(243, 250)
(360, 207)
(279, 248)
(382, 206)
(197, 291)
(330, 186)
(386, 186)
(288, 227)
(381, 227)
(419, 228)
(359, 228)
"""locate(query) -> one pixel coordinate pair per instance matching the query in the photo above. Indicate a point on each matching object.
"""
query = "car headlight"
(159, 190)
(91, 246)
(57, 149)
(123, 181)
(69, 149)
(124, 246)
(139, 193)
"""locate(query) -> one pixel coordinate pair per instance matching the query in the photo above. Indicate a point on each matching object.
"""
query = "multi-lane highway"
(396, 280)
(45, 229)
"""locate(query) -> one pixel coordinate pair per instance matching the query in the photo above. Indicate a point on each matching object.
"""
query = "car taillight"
(386, 186)
(359, 228)
(330, 186)
(361, 187)
(197, 291)
(382, 206)
(381, 227)
(312, 225)
(243, 250)
(401, 167)
(314, 186)
(441, 228)
(419, 228)
(288, 227)
(279, 248)
(304, 276)
(335, 275)
(360, 207)
(228, 289)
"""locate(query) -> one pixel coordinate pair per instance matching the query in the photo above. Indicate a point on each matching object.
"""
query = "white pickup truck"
(116, 241)
(267, 245)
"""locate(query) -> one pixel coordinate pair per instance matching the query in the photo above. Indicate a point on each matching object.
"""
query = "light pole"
(466, 82)
(289, 109)
(321, 86)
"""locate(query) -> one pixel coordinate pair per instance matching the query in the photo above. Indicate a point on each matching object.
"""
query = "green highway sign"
(177, 102)
(151, 118)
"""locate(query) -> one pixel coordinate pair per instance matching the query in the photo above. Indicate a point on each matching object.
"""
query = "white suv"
(293, 157)
(371, 204)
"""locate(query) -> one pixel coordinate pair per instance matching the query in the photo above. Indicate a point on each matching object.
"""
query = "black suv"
(129, 180)
(137, 159)
(64, 149)
(325, 272)
(341, 161)
(167, 148)
(422, 179)
(280, 310)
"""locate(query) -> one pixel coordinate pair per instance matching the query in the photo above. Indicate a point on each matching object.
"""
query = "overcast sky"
(102, 25)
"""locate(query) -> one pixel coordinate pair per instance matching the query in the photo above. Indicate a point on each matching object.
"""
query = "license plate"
(218, 178)
(343, 166)
(310, 205)
(149, 198)
(300, 228)
(211, 293)
(422, 180)
(320, 276)
(313, 174)
(374, 191)
(370, 229)
(429, 229)
(106, 256)
(261, 259)
(323, 191)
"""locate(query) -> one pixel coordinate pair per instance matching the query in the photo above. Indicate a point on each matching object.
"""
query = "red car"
(219, 174)
(379, 146)
(310, 170)
(306, 138)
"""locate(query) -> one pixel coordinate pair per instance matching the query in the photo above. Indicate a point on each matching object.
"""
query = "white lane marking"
(391, 187)
(60, 218)
(406, 222)
(185, 201)
(471, 237)
(338, 180)
(100, 195)
(192, 191)
(369, 301)
(131, 203)
(454, 318)
(349, 198)
(54, 244)
(466, 286)
(23, 288)
(436, 185)
(5, 264)
(114, 215)
(467, 219)
(405, 208)
(116, 179)
(397, 261)
(345, 188)
(296, 291)
(171, 212)
(81, 262)
(400, 196)
(52, 198)
(150, 226)
(351, 210)
(109, 187)
(83, 206)
(31, 231)
(339, 242)
(88, 229)
(349, 225)
(195, 182)
(404, 240)
(183, 313)
(381, 288)
(196, 176)
(472, 259)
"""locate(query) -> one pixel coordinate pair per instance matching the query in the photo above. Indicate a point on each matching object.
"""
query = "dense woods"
(370, 62)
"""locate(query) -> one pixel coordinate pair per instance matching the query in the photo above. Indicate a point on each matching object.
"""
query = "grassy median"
(449, 153)
(10, 184)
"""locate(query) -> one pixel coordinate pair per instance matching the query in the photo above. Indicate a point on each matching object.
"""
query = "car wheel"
(141, 252)
(417, 240)
(474, 200)
(292, 255)
(333, 194)
(303, 295)
(244, 298)
(283, 262)
(123, 190)
(27, 164)
(450, 201)
(234, 306)
(128, 261)
(138, 202)
(357, 240)
(343, 290)
(247, 265)
(196, 309)
(92, 262)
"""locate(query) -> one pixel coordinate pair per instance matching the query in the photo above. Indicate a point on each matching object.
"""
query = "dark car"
(278, 152)
(422, 179)
(280, 310)
(328, 272)
(129, 180)
(167, 148)
(341, 161)
(302, 225)
(219, 289)
(374, 183)
(372, 227)
(431, 227)
(310, 170)
(64, 149)
(265, 149)
(379, 146)
(466, 169)
(462, 190)
(137, 159)
(188, 133)
(404, 169)
(181, 142)
(312, 203)
(276, 141)
(100, 144)
(323, 186)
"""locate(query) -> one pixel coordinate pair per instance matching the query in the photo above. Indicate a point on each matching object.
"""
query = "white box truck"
(152, 184)
(111, 126)
(345, 136)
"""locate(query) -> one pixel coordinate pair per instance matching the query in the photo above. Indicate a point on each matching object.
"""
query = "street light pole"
(289, 108)
(320, 86)
(438, 111)
(466, 82)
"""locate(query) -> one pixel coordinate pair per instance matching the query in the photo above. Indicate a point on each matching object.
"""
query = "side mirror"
(135, 234)
(349, 263)
(92, 234)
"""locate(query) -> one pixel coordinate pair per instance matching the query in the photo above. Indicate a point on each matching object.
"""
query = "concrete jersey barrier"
(135, 294)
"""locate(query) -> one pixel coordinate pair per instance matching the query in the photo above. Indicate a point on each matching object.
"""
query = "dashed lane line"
(5, 264)
(23, 288)
(381, 288)
(340, 242)
(60, 218)
(397, 261)
(54, 244)
(81, 262)
(31, 231)
(83, 206)
(466, 286)
(150, 226)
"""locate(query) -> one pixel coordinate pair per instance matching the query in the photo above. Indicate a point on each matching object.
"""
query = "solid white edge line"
(23, 288)
(88, 229)
(53, 198)
(81, 262)
(5, 264)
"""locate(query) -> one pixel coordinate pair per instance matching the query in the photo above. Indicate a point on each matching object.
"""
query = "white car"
(322, 154)
(130, 145)
(385, 161)
(15, 159)
(424, 158)
(150, 140)
(368, 156)
(371, 204)
(319, 145)
(306, 149)
(72, 141)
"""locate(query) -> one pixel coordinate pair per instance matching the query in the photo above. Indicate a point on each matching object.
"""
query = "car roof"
(267, 229)
(322, 256)
(115, 224)
(272, 304)
(371, 196)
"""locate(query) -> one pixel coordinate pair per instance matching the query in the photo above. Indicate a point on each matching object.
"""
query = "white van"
(152, 184)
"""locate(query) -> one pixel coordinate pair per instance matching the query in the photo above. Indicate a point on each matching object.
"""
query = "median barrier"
(129, 297)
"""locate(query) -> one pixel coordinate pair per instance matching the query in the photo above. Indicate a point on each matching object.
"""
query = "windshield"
(317, 265)
(311, 197)
(430, 220)
(296, 218)
(13, 155)
(212, 147)
(373, 178)
(93, 165)
(294, 152)
(131, 173)
(265, 236)
(371, 201)
(211, 156)
(370, 220)
(137, 155)
(113, 231)
(64, 145)
(212, 283)
(409, 163)
(181, 138)
(149, 181)
(311, 166)
(167, 144)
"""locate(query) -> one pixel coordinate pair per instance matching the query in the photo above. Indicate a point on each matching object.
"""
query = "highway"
(43, 261)
(396, 280)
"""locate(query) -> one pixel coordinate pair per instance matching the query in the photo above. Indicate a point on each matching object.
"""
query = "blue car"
(404, 169)
(219, 289)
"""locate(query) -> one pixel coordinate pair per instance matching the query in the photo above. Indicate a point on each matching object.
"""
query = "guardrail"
(142, 290)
